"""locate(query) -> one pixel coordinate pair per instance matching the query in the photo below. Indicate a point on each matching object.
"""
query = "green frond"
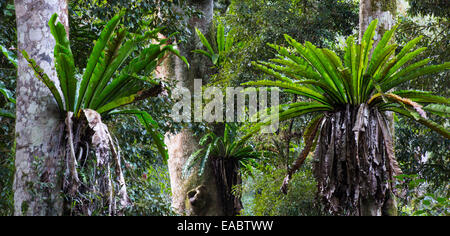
(94, 58)
(408, 57)
(221, 38)
(415, 74)
(9, 55)
(381, 59)
(438, 109)
(204, 41)
(382, 45)
(191, 161)
(200, 51)
(428, 123)
(40, 74)
(297, 89)
(229, 41)
(116, 103)
(7, 114)
(171, 49)
(205, 159)
(111, 59)
(205, 138)
(422, 96)
(357, 78)
(368, 40)
(65, 65)
(117, 88)
(152, 128)
(7, 93)
(410, 45)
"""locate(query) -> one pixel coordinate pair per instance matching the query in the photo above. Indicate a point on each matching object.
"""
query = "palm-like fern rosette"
(349, 97)
(110, 80)
(330, 83)
(224, 155)
(107, 84)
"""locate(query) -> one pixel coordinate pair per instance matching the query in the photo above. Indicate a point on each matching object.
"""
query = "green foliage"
(8, 24)
(420, 200)
(8, 39)
(150, 196)
(6, 178)
(262, 196)
(434, 31)
(152, 128)
(98, 89)
(9, 55)
(228, 146)
(438, 8)
(330, 82)
(87, 18)
(216, 52)
(423, 153)
(257, 23)
(149, 191)
(8, 94)
(419, 151)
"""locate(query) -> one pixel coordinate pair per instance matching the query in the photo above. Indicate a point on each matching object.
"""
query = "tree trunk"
(354, 163)
(39, 127)
(385, 11)
(193, 195)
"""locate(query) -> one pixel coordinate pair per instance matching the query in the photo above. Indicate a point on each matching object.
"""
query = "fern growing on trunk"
(354, 157)
(105, 85)
(225, 155)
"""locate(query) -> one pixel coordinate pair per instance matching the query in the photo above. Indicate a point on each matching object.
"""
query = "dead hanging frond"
(409, 102)
(389, 144)
(71, 157)
(106, 155)
(122, 194)
(354, 162)
(100, 137)
(406, 102)
(362, 118)
(309, 139)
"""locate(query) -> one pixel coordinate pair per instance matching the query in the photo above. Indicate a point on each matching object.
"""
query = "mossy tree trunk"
(40, 145)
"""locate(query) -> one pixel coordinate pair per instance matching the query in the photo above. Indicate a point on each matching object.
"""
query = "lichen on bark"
(383, 10)
(39, 127)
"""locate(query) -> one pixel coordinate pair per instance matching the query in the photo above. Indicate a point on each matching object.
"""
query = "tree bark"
(193, 195)
(385, 11)
(39, 127)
